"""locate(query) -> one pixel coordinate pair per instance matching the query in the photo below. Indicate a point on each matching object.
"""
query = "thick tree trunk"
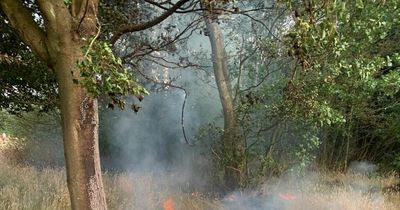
(80, 121)
(79, 111)
(80, 131)
(232, 142)
(59, 45)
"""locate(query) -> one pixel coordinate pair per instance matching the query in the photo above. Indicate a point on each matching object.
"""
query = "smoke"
(151, 140)
(362, 167)
(150, 146)
(315, 191)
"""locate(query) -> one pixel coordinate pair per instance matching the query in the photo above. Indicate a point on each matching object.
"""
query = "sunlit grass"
(24, 187)
(28, 187)
(334, 191)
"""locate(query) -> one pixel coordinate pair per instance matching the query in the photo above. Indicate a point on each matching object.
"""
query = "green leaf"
(360, 4)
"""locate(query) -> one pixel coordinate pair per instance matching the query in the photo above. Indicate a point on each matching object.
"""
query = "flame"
(168, 204)
(231, 197)
(287, 196)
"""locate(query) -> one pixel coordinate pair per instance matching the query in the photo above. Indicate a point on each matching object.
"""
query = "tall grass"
(30, 188)
(25, 187)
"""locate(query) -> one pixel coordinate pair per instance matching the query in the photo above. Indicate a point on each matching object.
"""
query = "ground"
(27, 187)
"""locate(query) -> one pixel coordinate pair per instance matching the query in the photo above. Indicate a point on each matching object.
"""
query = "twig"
(92, 41)
(184, 101)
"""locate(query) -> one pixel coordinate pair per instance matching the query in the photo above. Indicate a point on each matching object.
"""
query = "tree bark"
(232, 142)
(79, 111)
(59, 46)
(80, 123)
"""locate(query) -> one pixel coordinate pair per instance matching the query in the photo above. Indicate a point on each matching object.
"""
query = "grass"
(30, 188)
(24, 187)
(335, 191)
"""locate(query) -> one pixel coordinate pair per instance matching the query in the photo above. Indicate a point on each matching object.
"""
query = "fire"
(287, 196)
(168, 204)
(231, 197)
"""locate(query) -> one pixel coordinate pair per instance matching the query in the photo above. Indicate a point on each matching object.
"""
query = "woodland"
(199, 104)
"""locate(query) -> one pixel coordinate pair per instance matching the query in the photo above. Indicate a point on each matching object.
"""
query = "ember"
(168, 204)
(287, 196)
(232, 197)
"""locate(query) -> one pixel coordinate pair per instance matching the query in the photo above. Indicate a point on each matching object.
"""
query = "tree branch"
(78, 7)
(56, 17)
(26, 28)
(84, 13)
(149, 24)
(194, 25)
(180, 10)
(173, 86)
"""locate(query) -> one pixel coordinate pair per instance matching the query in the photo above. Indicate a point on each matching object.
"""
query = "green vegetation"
(347, 81)
(300, 87)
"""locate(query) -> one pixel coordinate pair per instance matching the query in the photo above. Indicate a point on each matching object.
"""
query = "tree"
(59, 46)
(347, 79)
(231, 148)
(21, 89)
(232, 143)
(57, 32)
(253, 27)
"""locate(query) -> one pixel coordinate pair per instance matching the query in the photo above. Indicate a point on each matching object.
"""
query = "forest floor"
(27, 187)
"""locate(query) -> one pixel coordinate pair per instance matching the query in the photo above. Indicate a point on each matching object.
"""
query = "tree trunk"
(59, 45)
(80, 123)
(232, 142)
(79, 111)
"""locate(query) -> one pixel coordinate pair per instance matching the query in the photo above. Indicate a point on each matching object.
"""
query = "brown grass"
(24, 187)
(336, 191)
(27, 187)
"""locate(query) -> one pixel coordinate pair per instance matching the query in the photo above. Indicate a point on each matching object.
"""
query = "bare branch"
(84, 13)
(173, 86)
(214, 10)
(262, 24)
(149, 24)
(189, 28)
(180, 10)
(242, 61)
(265, 76)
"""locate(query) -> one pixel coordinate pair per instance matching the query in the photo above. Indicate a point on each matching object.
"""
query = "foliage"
(28, 133)
(339, 51)
(305, 153)
(212, 4)
(114, 14)
(26, 83)
(347, 76)
(209, 136)
(103, 72)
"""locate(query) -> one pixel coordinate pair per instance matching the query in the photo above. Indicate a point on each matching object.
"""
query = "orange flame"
(287, 196)
(168, 204)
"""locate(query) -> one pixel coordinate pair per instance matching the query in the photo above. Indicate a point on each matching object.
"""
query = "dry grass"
(334, 191)
(23, 187)
(11, 148)
(27, 187)
(30, 188)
